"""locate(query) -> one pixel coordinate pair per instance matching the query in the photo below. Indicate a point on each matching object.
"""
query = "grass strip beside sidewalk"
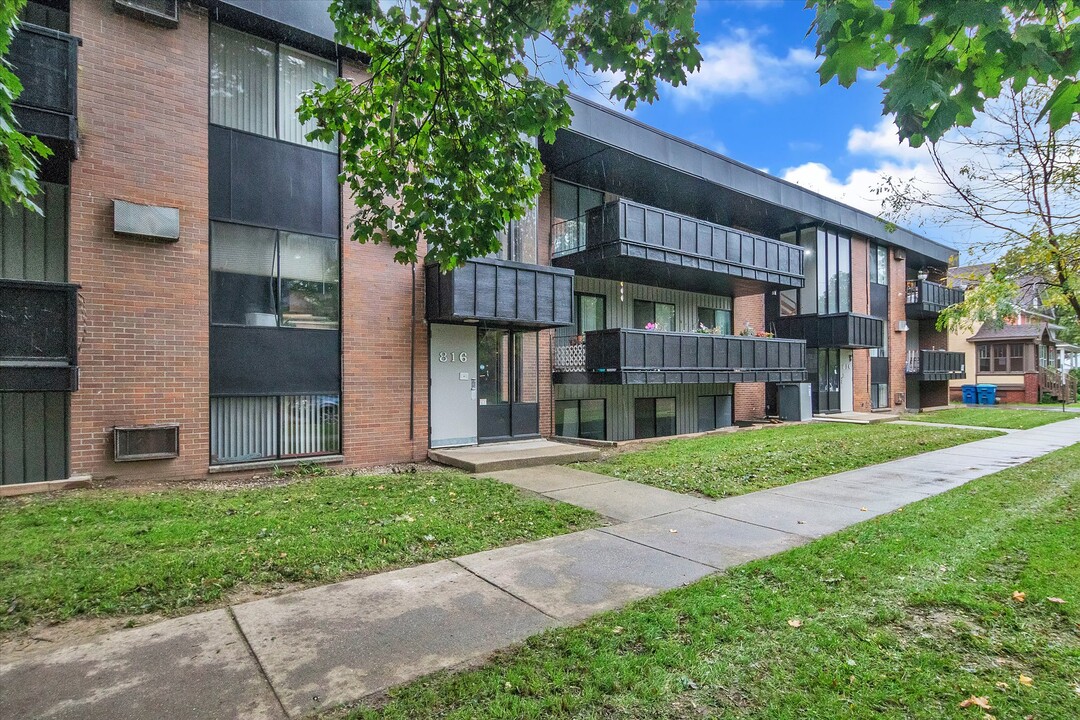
(927, 613)
(736, 463)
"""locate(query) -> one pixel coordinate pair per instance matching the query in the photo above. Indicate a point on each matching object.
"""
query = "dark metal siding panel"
(269, 183)
(33, 437)
(879, 300)
(501, 293)
(310, 16)
(274, 361)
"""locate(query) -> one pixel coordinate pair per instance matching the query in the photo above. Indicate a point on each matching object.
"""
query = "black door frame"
(512, 420)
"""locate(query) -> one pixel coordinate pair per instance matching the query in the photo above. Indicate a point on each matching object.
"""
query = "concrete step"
(857, 418)
(512, 455)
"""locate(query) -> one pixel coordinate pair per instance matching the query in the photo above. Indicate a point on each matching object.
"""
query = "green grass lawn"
(110, 552)
(992, 417)
(904, 617)
(742, 462)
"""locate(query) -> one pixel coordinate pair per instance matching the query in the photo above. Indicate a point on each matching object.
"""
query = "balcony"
(933, 365)
(622, 356)
(627, 241)
(499, 293)
(38, 336)
(838, 330)
(46, 62)
(926, 299)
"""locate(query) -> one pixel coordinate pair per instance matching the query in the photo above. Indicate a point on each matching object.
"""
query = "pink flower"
(650, 326)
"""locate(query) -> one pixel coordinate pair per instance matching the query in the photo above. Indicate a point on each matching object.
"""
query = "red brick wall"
(860, 303)
(897, 340)
(546, 337)
(383, 351)
(143, 310)
(749, 397)
(930, 338)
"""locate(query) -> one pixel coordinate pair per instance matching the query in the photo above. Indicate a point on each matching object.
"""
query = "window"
(256, 84)
(569, 204)
(518, 241)
(789, 303)
(1001, 358)
(265, 277)
(654, 417)
(712, 318)
(591, 312)
(661, 315)
(249, 429)
(879, 395)
(581, 419)
(878, 264)
(714, 411)
(828, 274)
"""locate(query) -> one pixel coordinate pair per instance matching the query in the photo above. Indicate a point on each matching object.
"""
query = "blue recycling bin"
(968, 394)
(987, 394)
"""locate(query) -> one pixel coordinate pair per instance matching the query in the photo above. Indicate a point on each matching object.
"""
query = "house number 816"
(453, 357)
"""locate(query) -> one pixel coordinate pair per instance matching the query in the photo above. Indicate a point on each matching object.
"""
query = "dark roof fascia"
(615, 129)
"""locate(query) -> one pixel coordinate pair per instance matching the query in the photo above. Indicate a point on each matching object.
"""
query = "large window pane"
(564, 210)
(718, 320)
(310, 425)
(843, 245)
(526, 366)
(493, 373)
(242, 275)
(299, 73)
(832, 284)
(567, 420)
(242, 81)
(592, 416)
(665, 416)
(243, 429)
(591, 313)
(310, 276)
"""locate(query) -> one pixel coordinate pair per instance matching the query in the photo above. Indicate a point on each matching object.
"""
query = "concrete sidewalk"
(309, 650)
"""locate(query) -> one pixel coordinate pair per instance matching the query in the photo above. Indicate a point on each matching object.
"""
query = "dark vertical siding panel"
(56, 231)
(14, 239)
(56, 436)
(11, 438)
(33, 437)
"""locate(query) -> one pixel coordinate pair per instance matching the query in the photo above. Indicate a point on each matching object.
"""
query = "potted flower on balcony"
(651, 326)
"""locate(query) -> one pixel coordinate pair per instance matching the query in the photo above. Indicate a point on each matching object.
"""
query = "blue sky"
(757, 99)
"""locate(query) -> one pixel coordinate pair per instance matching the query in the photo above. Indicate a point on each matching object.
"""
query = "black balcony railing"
(625, 240)
(38, 336)
(935, 365)
(46, 62)
(927, 299)
(501, 294)
(838, 330)
(624, 356)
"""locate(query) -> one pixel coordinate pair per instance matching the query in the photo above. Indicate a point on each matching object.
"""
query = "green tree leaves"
(19, 154)
(438, 137)
(944, 59)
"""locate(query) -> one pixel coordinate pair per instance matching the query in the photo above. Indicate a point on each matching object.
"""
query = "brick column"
(749, 397)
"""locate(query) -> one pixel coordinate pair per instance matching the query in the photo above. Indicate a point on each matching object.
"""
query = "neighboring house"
(187, 304)
(1020, 354)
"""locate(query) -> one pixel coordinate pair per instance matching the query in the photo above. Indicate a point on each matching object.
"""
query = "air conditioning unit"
(146, 442)
(160, 12)
(901, 326)
(898, 399)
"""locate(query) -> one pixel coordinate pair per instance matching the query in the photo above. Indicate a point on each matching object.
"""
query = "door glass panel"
(592, 418)
(644, 418)
(665, 416)
(526, 364)
(492, 371)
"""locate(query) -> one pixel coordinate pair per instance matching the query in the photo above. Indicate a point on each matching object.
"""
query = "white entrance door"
(453, 385)
(847, 387)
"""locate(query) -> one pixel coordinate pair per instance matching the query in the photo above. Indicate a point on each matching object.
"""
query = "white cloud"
(883, 141)
(741, 65)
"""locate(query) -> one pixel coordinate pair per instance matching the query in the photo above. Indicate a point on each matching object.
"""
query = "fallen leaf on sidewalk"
(673, 531)
(862, 509)
(977, 701)
(795, 622)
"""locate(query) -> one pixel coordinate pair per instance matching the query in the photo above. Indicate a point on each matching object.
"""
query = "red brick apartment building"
(187, 303)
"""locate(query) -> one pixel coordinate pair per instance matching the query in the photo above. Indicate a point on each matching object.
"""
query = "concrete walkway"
(305, 651)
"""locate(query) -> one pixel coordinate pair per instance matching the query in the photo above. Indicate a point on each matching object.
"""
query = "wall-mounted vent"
(150, 221)
(146, 442)
(160, 12)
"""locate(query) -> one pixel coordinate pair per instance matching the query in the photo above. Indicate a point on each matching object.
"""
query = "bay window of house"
(569, 205)
(581, 419)
(649, 315)
(256, 86)
(654, 417)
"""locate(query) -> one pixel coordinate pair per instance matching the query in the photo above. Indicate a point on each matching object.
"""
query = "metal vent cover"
(160, 12)
(146, 442)
(152, 221)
